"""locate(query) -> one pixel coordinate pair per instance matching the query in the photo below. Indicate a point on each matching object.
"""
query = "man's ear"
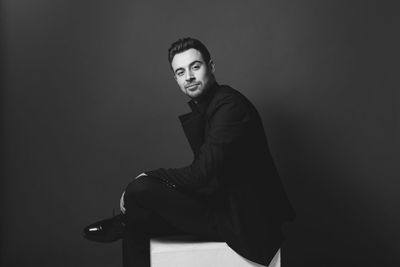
(211, 65)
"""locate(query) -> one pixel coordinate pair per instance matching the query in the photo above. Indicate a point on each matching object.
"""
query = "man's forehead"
(185, 58)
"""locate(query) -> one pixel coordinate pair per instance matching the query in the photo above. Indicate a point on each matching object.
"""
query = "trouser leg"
(135, 249)
(154, 209)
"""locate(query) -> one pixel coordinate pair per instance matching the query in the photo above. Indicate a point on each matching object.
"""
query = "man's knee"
(136, 187)
(141, 188)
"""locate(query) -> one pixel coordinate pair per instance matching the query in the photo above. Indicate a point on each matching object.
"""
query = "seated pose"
(230, 192)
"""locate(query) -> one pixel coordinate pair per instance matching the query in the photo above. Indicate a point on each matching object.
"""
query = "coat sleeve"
(227, 128)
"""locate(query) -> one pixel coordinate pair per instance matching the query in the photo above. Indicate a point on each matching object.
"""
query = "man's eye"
(196, 67)
(179, 73)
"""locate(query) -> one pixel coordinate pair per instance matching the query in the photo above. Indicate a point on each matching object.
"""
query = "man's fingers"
(122, 204)
(140, 175)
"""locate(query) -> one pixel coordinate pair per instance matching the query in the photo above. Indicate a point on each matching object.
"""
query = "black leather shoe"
(106, 231)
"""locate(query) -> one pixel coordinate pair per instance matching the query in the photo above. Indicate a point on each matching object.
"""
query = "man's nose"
(189, 76)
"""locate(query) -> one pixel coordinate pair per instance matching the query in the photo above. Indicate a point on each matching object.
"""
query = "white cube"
(188, 252)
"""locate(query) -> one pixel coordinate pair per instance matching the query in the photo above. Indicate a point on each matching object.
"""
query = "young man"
(230, 192)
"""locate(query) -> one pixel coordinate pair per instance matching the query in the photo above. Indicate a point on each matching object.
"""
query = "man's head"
(192, 66)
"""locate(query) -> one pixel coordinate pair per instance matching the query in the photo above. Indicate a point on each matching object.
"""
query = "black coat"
(233, 171)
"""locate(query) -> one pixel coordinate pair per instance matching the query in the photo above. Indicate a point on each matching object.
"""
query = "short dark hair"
(187, 43)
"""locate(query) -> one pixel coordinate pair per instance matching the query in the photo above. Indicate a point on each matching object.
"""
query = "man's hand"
(140, 175)
(121, 201)
(122, 204)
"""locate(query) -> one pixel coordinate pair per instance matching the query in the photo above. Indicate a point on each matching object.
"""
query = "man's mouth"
(191, 87)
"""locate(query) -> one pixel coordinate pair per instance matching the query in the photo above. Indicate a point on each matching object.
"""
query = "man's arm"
(228, 125)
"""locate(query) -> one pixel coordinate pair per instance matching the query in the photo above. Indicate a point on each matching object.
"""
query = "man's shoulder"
(230, 100)
(224, 90)
(226, 93)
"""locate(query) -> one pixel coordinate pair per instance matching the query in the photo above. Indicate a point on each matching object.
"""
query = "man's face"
(193, 75)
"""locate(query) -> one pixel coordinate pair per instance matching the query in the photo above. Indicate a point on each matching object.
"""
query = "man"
(230, 192)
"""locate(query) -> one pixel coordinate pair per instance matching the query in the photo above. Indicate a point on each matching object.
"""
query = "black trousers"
(155, 209)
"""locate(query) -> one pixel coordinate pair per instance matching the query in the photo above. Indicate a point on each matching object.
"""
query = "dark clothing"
(154, 210)
(232, 173)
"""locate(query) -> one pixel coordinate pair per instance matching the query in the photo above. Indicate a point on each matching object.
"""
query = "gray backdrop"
(88, 102)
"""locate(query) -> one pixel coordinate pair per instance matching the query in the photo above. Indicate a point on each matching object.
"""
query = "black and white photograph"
(199, 133)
